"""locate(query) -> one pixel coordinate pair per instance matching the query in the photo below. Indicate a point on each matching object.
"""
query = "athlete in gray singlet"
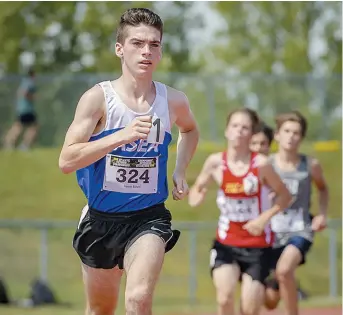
(294, 228)
(296, 220)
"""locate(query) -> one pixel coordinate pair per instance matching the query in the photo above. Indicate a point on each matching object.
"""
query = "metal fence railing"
(43, 249)
(211, 98)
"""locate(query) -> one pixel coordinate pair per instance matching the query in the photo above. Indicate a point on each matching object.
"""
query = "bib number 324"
(131, 175)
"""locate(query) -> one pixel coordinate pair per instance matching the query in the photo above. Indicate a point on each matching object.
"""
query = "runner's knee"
(100, 308)
(224, 298)
(138, 300)
(284, 273)
(249, 308)
(272, 299)
(271, 304)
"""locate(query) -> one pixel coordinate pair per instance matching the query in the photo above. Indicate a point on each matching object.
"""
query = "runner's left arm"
(319, 222)
(188, 131)
(320, 182)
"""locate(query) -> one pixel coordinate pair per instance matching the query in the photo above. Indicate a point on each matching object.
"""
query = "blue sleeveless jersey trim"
(90, 178)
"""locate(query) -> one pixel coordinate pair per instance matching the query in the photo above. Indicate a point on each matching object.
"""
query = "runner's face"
(239, 130)
(141, 51)
(260, 143)
(289, 136)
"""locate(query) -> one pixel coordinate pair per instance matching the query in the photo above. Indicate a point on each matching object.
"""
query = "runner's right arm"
(77, 152)
(198, 191)
(282, 200)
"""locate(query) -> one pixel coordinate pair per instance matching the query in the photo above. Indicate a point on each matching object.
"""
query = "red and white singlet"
(241, 199)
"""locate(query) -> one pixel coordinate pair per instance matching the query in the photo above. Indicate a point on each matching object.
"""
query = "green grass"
(32, 187)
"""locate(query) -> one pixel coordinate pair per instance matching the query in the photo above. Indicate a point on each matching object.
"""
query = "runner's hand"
(319, 223)
(255, 227)
(180, 189)
(138, 128)
(196, 196)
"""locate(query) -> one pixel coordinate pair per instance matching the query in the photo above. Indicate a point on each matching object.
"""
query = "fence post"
(333, 262)
(192, 285)
(44, 255)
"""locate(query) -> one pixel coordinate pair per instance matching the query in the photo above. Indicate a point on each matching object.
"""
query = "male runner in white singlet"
(118, 146)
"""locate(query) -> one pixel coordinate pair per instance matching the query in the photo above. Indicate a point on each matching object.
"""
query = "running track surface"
(333, 310)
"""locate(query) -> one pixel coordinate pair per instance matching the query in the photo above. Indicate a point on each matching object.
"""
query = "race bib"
(290, 220)
(241, 210)
(131, 175)
(157, 131)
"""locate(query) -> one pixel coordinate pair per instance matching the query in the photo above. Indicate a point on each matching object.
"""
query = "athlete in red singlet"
(240, 199)
(243, 238)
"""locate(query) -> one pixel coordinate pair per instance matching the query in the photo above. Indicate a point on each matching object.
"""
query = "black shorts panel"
(251, 261)
(102, 239)
(302, 244)
(27, 119)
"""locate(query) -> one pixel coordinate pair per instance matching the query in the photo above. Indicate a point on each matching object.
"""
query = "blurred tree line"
(271, 56)
(270, 37)
(66, 36)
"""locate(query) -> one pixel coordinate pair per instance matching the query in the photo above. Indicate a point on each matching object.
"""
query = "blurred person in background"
(262, 139)
(118, 146)
(294, 227)
(261, 142)
(26, 115)
(243, 238)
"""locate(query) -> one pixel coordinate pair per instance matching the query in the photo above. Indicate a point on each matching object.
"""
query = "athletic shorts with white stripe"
(102, 239)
